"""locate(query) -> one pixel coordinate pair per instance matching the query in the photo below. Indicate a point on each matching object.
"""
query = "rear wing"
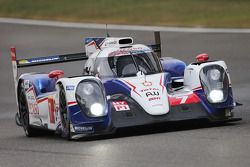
(50, 59)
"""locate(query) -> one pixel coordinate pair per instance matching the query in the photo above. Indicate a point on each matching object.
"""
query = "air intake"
(125, 41)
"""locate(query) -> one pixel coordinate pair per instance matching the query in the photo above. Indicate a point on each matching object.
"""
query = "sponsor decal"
(146, 83)
(154, 98)
(184, 99)
(111, 43)
(149, 89)
(33, 108)
(23, 61)
(38, 60)
(118, 53)
(152, 93)
(121, 106)
(32, 103)
(129, 51)
(140, 51)
(70, 87)
(30, 97)
(83, 128)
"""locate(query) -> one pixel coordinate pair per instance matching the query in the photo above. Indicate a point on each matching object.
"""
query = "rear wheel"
(24, 113)
(65, 119)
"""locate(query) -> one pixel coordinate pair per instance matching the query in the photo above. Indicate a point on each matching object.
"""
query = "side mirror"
(202, 57)
(56, 74)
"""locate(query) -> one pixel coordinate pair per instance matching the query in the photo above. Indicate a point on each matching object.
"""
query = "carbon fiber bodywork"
(137, 116)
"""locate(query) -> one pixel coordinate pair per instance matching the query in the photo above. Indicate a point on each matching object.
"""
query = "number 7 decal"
(183, 99)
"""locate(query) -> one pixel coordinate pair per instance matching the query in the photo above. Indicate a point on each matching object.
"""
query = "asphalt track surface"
(178, 144)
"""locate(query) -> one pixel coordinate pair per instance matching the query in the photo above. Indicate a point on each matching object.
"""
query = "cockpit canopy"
(127, 65)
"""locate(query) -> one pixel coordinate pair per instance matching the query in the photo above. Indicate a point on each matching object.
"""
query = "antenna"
(107, 31)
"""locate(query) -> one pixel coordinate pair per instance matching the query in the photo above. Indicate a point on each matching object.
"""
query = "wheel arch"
(18, 88)
(70, 85)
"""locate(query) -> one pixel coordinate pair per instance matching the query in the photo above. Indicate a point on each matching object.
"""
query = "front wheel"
(65, 119)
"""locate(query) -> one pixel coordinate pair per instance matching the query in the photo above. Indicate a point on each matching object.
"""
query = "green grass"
(193, 13)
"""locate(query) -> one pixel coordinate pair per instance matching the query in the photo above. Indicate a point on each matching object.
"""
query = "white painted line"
(120, 27)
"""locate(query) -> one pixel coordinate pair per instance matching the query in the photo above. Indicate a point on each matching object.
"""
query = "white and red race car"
(123, 85)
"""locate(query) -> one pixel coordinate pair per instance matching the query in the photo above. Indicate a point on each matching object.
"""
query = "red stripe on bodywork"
(134, 87)
(161, 83)
(199, 87)
(72, 102)
(42, 99)
(185, 99)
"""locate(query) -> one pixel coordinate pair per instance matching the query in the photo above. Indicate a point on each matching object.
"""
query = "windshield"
(127, 65)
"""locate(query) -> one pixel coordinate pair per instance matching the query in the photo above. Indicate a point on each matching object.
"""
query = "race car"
(122, 85)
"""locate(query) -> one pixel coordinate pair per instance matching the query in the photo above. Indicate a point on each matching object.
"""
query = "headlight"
(96, 109)
(216, 96)
(215, 83)
(90, 97)
(214, 74)
(88, 89)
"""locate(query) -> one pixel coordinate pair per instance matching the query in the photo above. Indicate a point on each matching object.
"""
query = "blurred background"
(190, 13)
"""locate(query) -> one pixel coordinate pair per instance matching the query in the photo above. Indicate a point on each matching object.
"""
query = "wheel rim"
(63, 109)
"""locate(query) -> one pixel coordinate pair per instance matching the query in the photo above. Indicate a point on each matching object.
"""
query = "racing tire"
(17, 119)
(24, 114)
(63, 108)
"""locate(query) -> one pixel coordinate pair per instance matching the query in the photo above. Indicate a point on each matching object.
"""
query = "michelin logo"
(38, 60)
(83, 128)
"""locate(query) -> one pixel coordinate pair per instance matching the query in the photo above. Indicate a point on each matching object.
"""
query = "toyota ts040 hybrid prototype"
(122, 85)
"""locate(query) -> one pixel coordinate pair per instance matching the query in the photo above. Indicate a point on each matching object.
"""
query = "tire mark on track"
(45, 152)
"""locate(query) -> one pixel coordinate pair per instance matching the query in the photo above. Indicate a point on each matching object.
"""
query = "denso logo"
(147, 83)
(154, 93)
